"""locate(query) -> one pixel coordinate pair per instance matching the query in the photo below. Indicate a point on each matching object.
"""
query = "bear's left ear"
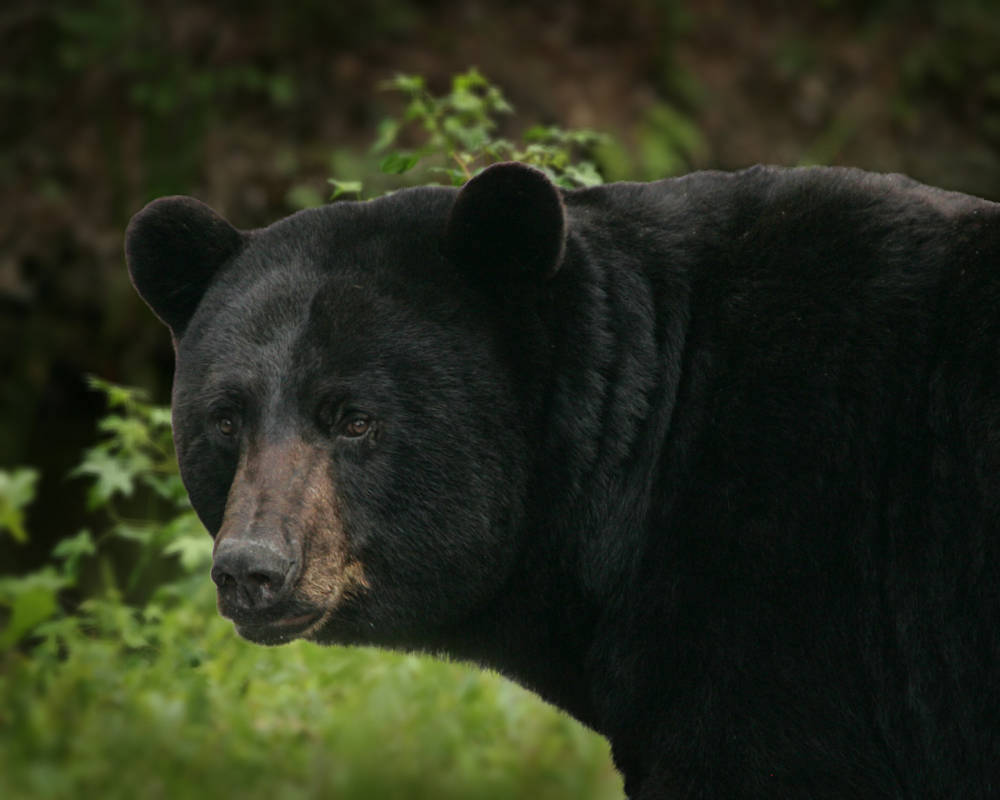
(174, 247)
(508, 221)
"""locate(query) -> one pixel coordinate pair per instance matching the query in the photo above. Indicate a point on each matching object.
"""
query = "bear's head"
(354, 409)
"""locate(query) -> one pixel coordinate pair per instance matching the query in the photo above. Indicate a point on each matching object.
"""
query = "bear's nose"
(250, 575)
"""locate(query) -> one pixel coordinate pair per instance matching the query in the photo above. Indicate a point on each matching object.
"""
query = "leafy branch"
(455, 136)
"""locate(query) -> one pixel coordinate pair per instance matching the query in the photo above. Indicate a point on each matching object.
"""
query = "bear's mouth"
(282, 630)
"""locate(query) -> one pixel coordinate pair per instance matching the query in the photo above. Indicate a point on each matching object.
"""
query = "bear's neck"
(537, 641)
(615, 346)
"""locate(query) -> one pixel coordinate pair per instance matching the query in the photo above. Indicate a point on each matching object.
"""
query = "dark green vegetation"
(142, 690)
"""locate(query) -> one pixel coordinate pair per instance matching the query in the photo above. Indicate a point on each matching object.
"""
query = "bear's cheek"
(329, 572)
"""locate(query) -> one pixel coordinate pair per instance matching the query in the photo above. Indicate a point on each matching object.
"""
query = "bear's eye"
(355, 425)
(226, 425)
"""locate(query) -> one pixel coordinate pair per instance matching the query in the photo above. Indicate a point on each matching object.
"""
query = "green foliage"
(344, 187)
(17, 490)
(455, 136)
(125, 691)
(136, 448)
(29, 600)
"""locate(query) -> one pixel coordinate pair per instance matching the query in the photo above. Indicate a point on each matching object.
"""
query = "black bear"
(713, 463)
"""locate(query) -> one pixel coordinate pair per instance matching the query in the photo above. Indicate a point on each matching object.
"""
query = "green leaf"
(398, 163)
(70, 551)
(385, 135)
(75, 546)
(129, 433)
(110, 475)
(405, 83)
(538, 133)
(32, 599)
(344, 187)
(469, 103)
(193, 552)
(499, 149)
(421, 108)
(17, 490)
(117, 396)
(169, 487)
(470, 137)
(584, 174)
(142, 532)
(115, 619)
(497, 102)
(466, 81)
(159, 417)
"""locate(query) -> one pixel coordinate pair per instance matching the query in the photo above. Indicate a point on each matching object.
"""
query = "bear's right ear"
(174, 247)
(508, 223)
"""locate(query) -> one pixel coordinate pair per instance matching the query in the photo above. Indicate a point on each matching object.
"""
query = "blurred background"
(252, 106)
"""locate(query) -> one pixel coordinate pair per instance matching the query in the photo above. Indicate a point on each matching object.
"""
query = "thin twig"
(463, 165)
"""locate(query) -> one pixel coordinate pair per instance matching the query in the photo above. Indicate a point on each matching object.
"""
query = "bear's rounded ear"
(508, 222)
(174, 247)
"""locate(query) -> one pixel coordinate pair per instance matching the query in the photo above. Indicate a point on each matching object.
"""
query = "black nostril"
(221, 577)
(262, 580)
(250, 574)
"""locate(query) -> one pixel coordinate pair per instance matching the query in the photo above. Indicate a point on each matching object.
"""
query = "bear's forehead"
(290, 321)
(290, 307)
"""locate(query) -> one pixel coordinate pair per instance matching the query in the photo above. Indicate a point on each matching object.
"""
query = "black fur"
(722, 479)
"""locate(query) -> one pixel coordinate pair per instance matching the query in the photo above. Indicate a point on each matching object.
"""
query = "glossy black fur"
(712, 463)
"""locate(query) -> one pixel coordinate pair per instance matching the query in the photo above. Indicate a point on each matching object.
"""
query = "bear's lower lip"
(301, 619)
(278, 631)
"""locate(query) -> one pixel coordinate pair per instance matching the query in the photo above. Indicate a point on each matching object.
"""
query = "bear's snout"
(280, 559)
(250, 575)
